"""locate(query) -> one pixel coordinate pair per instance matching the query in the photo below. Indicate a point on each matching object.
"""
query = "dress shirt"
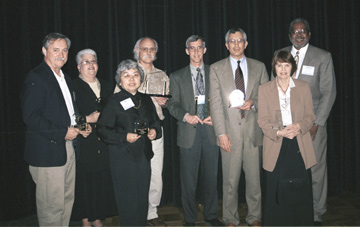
(243, 66)
(302, 53)
(284, 100)
(66, 94)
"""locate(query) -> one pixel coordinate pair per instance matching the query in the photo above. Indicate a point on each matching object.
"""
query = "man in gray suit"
(236, 128)
(189, 88)
(315, 66)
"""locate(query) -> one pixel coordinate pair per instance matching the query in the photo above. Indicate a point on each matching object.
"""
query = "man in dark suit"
(189, 88)
(315, 66)
(48, 109)
(236, 128)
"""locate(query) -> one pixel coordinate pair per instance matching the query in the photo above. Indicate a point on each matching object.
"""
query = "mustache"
(148, 56)
(59, 59)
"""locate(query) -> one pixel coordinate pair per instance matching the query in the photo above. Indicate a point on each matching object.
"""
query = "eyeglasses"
(193, 48)
(128, 76)
(87, 62)
(233, 41)
(146, 49)
(300, 31)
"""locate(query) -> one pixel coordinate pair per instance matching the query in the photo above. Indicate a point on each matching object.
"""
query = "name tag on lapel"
(127, 103)
(308, 70)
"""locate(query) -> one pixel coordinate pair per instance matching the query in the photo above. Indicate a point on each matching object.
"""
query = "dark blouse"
(117, 119)
(93, 152)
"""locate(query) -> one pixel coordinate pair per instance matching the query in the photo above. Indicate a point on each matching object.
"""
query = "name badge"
(308, 70)
(201, 99)
(127, 103)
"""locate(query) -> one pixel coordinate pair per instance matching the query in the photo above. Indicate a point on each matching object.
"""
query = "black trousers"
(131, 186)
(289, 165)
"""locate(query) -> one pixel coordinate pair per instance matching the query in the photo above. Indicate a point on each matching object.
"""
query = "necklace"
(137, 107)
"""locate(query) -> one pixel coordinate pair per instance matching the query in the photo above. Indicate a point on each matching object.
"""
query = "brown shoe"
(230, 224)
(256, 224)
(156, 222)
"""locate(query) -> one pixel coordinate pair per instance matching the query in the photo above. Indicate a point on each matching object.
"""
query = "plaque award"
(237, 98)
(141, 126)
(155, 85)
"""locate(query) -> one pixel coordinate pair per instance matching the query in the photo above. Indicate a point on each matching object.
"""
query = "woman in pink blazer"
(285, 117)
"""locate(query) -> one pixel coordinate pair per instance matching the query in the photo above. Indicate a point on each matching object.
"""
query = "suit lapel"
(188, 86)
(251, 79)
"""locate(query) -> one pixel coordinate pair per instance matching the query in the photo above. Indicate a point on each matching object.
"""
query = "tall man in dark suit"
(315, 66)
(189, 88)
(236, 128)
(48, 109)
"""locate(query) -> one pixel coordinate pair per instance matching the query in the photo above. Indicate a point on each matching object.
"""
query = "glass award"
(141, 126)
(80, 120)
(237, 98)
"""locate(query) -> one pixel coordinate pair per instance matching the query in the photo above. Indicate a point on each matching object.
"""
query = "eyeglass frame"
(234, 41)
(299, 31)
(92, 62)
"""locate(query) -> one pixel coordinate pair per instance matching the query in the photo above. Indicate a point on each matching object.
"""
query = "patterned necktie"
(239, 82)
(200, 88)
(297, 57)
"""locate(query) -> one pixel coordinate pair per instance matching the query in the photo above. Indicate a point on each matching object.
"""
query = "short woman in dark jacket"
(127, 124)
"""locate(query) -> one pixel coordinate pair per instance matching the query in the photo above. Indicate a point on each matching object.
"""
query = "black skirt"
(289, 165)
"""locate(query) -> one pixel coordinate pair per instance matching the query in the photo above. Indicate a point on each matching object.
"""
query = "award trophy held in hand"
(80, 120)
(141, 126)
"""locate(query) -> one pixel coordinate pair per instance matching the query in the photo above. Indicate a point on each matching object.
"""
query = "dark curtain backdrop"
(111, 28)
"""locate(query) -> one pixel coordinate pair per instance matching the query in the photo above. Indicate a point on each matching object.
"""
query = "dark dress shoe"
(214, 222)
(156, 222)
(317, 223)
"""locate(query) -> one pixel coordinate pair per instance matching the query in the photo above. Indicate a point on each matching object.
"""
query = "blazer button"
(239, 123)
(194, 126)
(99, 151)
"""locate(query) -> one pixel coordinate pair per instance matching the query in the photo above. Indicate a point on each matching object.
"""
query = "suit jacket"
(322, 83)
(302, 113)
(46, 117)
(115, 122)
(227, 120)
(183, 101)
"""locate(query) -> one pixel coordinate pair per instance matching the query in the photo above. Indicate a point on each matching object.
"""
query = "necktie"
(297, 57)
(239, 82)
(200, 88)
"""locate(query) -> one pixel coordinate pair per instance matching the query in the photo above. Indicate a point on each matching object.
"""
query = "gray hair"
(137, 45)
(194, 38)
(83, 52)
(52, 37)
(299, 20)
(234, 30)
(126, 65)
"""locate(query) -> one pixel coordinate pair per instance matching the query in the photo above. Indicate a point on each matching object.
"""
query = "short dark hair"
(194, 38)
(53, 37)
(126, 65)
(283, 56)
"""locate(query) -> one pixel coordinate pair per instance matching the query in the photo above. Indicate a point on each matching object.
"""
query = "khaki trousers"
(55, 190)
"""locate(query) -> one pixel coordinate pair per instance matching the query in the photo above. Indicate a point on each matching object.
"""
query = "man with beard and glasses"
(145, 51)
(315, 66)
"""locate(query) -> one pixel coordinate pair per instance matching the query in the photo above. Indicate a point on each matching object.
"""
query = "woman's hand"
(290, 131)
(152, 134)
(132, 137)
(93, 117)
